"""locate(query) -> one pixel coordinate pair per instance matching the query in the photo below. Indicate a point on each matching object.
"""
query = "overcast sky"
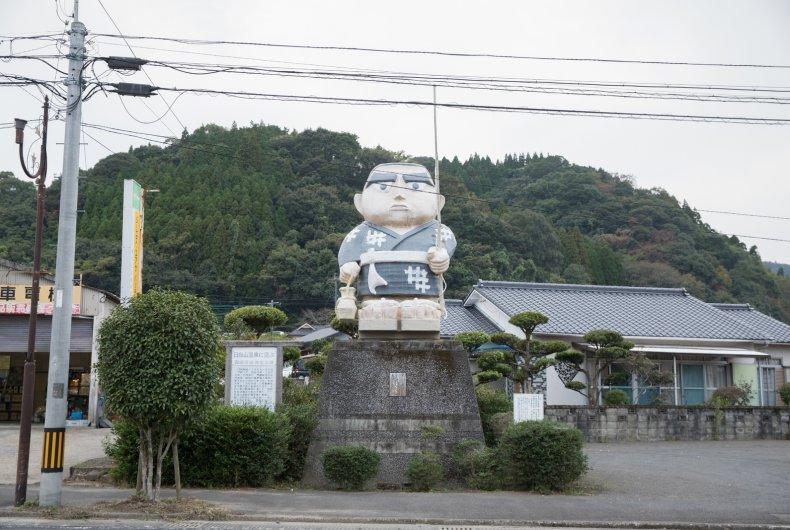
(742, 168)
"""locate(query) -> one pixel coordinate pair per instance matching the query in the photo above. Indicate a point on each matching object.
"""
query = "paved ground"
(700, 482)
(82, 443)
(230, 525)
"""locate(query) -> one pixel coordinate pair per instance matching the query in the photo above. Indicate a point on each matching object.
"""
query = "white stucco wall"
(557, 394)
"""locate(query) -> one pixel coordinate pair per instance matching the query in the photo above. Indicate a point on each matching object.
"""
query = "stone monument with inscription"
(253, 373)
(399, 389)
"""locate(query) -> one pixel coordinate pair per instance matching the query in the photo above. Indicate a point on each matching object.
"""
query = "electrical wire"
(487, 108)
(759, 237)
(479, 83)
(442, 53)
(745, 214)
(169, 106)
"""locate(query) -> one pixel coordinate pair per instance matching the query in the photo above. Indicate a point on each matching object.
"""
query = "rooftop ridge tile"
(677, 291)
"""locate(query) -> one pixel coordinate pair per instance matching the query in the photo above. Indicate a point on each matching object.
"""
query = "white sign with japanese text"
(527, 407)
(253, 379)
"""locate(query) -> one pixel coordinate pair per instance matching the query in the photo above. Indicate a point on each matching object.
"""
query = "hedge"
(231, 447)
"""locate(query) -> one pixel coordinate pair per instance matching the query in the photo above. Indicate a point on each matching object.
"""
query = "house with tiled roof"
(705, 346)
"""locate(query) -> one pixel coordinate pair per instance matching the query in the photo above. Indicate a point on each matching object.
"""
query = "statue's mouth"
(399, 207)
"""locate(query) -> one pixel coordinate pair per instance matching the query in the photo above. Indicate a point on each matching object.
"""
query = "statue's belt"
(371, 257)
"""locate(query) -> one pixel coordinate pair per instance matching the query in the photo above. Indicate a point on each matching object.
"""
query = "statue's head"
(399, 195)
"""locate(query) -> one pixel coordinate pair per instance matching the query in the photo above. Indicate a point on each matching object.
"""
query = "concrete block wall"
(674, 423)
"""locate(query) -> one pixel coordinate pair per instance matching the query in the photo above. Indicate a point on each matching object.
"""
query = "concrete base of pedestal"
(383, 394)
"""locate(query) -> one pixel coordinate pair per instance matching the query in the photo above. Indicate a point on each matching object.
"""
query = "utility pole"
(57, 383)
(29, 374)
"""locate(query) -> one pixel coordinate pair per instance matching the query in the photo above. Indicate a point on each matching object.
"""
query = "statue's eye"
(416, 186)
(384, 187)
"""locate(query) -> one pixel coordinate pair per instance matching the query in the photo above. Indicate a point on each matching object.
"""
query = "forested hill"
(257, 213)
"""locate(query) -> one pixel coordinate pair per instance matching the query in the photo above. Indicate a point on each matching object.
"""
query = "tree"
(519, 360)
(158, 365)
(532, 357)
(260, 318)
(607, 348)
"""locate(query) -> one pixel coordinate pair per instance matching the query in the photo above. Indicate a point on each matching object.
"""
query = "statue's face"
(402, 202)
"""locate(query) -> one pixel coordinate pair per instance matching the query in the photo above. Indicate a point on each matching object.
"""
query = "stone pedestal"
(384, 394)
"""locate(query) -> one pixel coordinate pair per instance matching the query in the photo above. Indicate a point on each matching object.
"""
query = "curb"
(644, 525)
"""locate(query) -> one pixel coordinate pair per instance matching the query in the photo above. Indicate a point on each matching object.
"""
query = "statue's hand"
(349, 272)
(438, 260)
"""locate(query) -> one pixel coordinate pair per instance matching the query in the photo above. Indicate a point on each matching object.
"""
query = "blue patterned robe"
(401, 269)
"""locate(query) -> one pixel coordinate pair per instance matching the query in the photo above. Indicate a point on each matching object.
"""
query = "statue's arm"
(349, 255)
(439, 258)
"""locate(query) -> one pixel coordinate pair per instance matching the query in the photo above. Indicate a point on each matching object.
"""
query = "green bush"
(123, 447)
(229, 447)
(616, 397)
(462, 464)
(424, 471)
(477, 465)
(491, 402)
(350, 467)
(302, 419)
(315, 365)
(784, 393)
(235, 446)
(541, 455)
(729, 396)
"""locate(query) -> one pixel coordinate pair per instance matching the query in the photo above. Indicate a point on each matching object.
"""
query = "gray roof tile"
(460, 319)
(776, 330)
(631, 311)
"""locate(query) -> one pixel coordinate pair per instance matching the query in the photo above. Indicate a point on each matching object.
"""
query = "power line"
(442, 53)
(488, 108)
(760, 237)
(561, 87)
(169, 106)
(745, 214)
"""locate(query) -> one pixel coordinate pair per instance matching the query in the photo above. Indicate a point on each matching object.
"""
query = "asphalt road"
(231, 525)
(698, 482)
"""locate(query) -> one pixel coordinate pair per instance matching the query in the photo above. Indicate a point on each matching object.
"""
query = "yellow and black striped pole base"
(53, 450)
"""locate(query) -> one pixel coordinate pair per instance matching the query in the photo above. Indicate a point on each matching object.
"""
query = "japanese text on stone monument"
(253, 377)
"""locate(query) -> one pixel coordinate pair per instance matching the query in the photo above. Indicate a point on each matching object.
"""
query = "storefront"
(90, 306)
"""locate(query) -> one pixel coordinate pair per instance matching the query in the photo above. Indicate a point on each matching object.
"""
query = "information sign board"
(527, 407)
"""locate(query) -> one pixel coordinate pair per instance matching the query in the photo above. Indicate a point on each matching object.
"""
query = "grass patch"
(172, 509)
(168, 509)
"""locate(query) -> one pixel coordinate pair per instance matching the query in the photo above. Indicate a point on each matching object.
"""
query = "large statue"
(398, 253)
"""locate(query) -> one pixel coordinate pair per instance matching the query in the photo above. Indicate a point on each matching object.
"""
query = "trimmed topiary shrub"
(491, 402)
(541, 455)
(471, 339)
(350, 466)
(260, 318)
(784, 393)
(424, 471)
(616, 397)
